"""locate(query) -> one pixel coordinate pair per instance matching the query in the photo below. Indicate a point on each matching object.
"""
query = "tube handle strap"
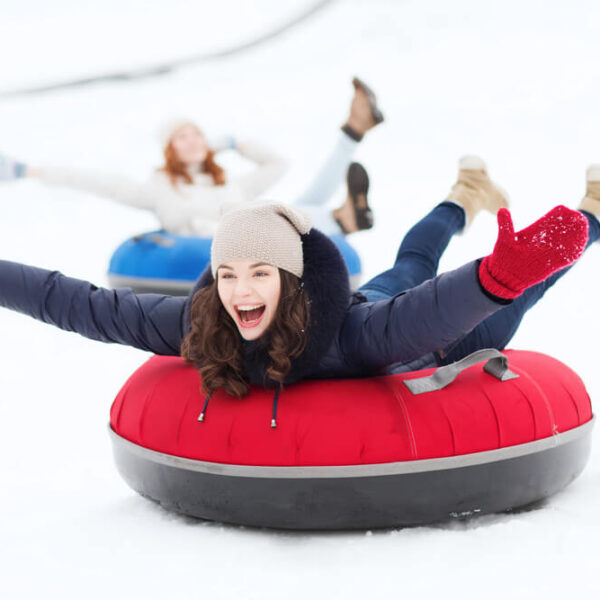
(496, 365)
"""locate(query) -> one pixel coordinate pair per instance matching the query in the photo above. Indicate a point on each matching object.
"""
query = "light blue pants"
(319, 192)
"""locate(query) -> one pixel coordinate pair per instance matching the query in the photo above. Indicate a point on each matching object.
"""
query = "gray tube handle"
(496, 365)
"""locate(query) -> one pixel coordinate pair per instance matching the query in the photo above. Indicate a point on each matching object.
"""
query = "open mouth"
(250, 315)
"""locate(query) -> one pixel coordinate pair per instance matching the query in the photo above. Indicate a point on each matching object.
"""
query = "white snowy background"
(515, 81)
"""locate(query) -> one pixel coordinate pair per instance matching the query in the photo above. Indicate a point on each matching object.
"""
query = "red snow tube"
(356, 453)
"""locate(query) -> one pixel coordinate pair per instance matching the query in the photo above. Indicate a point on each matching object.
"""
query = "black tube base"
(338, 503)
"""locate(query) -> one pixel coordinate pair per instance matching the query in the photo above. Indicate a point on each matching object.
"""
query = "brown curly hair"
(176, 170)
(214, 345)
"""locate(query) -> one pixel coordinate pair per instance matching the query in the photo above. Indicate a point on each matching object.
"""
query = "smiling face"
(189, 145)
(249, 291)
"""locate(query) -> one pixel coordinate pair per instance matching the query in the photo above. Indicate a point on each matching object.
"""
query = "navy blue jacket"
(348, 336)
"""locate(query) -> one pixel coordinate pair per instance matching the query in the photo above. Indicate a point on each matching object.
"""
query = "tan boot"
(364, 111)
(591, 200)
(474, 190)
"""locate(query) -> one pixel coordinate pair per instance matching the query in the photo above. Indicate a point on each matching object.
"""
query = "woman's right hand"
(11, 169)
(222, 142)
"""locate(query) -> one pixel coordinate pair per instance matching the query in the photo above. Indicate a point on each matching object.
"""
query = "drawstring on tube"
(274, 419)
(201, 415)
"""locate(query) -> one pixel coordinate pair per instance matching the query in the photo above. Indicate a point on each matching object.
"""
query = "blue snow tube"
(159, 262)
(166, 263)
(350, 256)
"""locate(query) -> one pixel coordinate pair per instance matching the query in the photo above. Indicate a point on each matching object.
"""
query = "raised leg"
(423, 246)
(331, 174)
(419, 253)
(364, 114)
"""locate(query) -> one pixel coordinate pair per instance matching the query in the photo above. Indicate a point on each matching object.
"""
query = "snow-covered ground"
(515, 81)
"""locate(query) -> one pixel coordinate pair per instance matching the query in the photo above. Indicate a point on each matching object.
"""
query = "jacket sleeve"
(270, 168)
(421, 320)
(151, 322)
(114, 187)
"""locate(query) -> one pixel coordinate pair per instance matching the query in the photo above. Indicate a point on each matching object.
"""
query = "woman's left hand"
(529, 256)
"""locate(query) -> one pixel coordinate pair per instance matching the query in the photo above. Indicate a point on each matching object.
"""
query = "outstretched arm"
(114, 187)
(431, 316)
(151, 322)
(421, 320)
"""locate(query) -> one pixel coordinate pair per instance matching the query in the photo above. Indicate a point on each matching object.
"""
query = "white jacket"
(184, 209)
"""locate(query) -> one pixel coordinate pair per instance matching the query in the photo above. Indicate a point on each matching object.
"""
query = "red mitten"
(524, 258)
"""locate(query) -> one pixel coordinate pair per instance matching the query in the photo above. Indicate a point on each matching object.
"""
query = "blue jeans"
(417, 260)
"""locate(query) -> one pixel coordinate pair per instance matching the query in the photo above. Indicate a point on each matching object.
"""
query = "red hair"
(175, 169)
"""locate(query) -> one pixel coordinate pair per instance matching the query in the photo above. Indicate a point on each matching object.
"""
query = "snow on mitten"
(524, 258)
(10, 169)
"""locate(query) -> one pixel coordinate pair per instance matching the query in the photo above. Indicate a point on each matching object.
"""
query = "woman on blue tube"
(191, 191)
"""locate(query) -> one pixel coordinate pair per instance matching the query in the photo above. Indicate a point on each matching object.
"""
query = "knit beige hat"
(261, 231)
(167, 129)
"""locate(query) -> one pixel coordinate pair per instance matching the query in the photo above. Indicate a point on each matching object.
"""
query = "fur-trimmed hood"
(327, 286)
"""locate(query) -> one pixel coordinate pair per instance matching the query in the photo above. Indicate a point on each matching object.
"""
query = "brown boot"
(364, 112)
(591, 200)
(474, 190)
(355, 214)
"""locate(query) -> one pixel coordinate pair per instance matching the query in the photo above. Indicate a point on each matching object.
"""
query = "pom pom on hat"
(263, 231)
(167, 129)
